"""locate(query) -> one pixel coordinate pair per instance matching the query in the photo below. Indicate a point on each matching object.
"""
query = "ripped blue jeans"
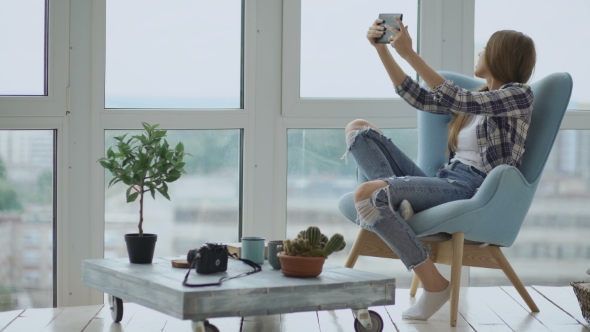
(379, 159)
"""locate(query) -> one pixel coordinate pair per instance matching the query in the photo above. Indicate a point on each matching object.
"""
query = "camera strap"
(256, 268)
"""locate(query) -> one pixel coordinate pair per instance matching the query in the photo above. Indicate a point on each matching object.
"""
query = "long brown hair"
(510, 57)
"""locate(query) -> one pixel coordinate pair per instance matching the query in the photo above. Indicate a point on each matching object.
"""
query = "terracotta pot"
(301, 267)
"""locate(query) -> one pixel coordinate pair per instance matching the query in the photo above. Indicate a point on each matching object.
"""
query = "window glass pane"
(317, 178)
(558, 50)
(204, 203)
(173, 54)
(26, 219)
(337, 60)
(22, 36)
(552, 247)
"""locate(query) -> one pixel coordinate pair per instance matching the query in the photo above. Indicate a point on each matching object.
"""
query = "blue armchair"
(471, 232)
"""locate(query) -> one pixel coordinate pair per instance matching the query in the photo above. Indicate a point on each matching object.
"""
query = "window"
(552, 247)
(204, 203)
(181, 54)
(22, 35)
(317, 178)
(31, 258)
(26, 218)
(556, 51)
(337, 61)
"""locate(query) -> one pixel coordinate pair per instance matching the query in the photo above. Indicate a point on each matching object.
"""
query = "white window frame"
(50, 113)
(54, 104)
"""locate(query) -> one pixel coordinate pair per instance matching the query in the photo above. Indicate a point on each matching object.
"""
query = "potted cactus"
(304, 256)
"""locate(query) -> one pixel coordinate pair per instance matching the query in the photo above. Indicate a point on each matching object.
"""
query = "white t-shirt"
(467, 148)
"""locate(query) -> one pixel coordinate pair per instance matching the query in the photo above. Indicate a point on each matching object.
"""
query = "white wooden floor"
(481, 309)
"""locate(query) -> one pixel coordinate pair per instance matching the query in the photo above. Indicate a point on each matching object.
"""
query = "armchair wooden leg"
(456, 264)
(415, 285)
(356, 248)
(509, 272)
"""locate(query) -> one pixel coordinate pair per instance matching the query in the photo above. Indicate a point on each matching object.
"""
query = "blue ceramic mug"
(253, 249)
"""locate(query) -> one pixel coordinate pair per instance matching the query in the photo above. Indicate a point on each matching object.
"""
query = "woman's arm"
(395, 72)
(403, 45)
(406, 87)
(513, 100)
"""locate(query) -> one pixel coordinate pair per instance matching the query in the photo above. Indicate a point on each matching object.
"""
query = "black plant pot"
(141, 248)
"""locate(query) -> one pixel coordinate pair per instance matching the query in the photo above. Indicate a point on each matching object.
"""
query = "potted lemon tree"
(145, 164)
(304, 256)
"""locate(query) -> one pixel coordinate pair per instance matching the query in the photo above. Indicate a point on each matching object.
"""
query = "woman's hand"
(401, 40)
(375, 31)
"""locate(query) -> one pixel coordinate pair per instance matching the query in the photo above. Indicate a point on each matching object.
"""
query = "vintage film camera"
(209, 258)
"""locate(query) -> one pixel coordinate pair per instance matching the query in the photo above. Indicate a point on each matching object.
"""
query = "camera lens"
(190, 257)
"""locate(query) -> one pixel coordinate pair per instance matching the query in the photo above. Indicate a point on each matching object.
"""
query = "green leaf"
(162, 152)
(105, 164)
(173, 176)
(180, 147)
(132, 197)
(113, 181)
(164, 192)
(153, 192)
(160, 133)
(141, 138)
(146, 126)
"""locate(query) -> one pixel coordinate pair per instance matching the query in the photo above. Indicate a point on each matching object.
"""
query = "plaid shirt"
(502, 131)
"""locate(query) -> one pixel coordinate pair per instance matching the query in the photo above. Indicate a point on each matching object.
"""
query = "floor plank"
(103, 322)
(549, 314)
(509, 311)
(565, 299)
(7, 317)
(479, 315)
(336, 320)
(388, 323)
(270, 323)
(231, 324)
(300, 321)
(73, 319)
(146, 320)
(33, 320)
(481, 309)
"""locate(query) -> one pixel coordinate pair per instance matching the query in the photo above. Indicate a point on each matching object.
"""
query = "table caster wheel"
(376, 323)
(210, 327)
(116, 305)
(204, 326)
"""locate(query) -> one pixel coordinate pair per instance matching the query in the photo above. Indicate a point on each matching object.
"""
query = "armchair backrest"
(552, 95)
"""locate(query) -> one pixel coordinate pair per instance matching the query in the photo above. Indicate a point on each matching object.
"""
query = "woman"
(489, 128)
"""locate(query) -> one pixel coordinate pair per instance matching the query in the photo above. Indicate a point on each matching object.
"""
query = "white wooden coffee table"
(159, 286)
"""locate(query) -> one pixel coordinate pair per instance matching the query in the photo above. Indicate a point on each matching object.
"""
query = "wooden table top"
(159, 286)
